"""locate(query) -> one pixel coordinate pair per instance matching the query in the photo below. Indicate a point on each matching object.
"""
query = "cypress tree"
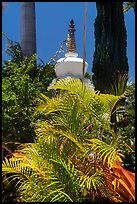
(110, 58)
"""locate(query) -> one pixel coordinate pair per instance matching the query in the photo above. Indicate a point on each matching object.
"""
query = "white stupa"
(70, 65)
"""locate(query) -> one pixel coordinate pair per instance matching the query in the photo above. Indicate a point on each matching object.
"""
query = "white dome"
(70, 66)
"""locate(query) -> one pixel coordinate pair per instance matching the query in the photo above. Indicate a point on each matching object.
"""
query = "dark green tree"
(110, 58)
(110, 61)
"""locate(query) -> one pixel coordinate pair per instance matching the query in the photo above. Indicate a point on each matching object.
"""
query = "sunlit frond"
(109, 152)
(60, 165)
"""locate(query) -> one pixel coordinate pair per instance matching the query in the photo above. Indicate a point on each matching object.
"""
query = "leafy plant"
(19, 93)
(18, 97)
(126, 127)
(71, 158)
(22, 80)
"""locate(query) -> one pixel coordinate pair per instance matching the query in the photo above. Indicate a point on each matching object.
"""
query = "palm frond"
(73, 86)
(97, 183)
(109, 152)
(119, 84)
(58, 166)
(128, 5)
(89, 103)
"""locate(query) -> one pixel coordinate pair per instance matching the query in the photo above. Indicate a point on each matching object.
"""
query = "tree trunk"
(28, 28)
(113, 120)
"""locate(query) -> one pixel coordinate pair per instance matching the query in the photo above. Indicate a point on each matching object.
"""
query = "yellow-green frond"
(109, 152)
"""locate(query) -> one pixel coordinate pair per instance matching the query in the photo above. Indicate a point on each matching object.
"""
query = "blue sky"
(52, 21)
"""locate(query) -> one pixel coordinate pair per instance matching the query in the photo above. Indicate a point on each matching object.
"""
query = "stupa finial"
(71, 43)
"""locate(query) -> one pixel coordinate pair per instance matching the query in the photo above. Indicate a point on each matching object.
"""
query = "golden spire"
(71, 44)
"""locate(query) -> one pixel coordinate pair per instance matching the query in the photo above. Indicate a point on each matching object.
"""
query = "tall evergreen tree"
(110, 58)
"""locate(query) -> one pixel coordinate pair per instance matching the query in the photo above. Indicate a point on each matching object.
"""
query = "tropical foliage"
(21, 83)
(22, 80)
(126, 127)
(75, 156)
(74, 151)
(18, 97)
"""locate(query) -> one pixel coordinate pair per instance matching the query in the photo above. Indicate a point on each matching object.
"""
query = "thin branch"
(84, 50)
